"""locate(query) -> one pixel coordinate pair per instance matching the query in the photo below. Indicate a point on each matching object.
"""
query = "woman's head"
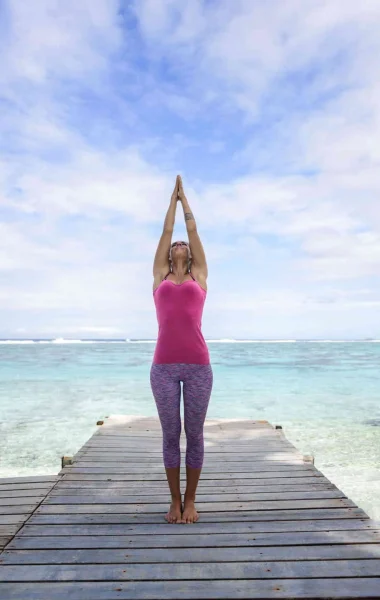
(180, 253)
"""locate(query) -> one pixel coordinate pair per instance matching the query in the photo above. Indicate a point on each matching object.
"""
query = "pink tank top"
(179, 309)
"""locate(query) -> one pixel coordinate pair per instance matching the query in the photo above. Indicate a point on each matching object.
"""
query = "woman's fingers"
(176, 189)
(180, 186)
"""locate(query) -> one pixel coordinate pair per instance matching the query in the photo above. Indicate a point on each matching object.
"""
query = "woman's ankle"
(189, 498)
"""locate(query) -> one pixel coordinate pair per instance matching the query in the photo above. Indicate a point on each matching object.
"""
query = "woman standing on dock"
(181, 354)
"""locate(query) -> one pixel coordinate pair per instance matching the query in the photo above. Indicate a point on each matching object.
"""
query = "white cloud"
(308, 218)
(47, 40)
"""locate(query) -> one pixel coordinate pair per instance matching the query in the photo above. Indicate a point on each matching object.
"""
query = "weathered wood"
(16, 505)
(211, 446)
(345, 588)
(6, 534)
(116, 498)
(242, 516)
(183, 555)
(235, 468)
(6, 530)
(209, 442)
(36, 527)
(154, 452)
(119, 487)
(271, 525)
(291, 458)
(20, 487)
(202, 506)
(13, 501)
(194, 571)
(13, 518)
(226, 477)
(17, 510)
(189, 540)
(30, 494)
(32, 479)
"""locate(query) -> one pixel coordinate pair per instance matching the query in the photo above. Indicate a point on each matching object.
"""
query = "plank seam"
(29, 516)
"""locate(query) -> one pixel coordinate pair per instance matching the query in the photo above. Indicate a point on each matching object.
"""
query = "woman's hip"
(181, 371)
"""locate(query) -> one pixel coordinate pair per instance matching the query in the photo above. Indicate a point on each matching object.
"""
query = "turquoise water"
(326, 396)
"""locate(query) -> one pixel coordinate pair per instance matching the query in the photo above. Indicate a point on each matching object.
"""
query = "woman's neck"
(180, 272)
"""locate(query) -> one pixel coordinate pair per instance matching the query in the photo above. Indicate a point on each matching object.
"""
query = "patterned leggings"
(197, 385)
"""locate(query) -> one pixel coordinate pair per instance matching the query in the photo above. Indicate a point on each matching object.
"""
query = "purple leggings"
(197, 385)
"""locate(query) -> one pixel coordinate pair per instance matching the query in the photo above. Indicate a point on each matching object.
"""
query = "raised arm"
(161, 259)
(199, 263)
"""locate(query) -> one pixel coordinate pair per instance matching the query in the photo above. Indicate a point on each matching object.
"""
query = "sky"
(270, 111)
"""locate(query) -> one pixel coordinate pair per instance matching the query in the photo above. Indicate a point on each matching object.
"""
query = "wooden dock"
(19, 497)
(271, 524)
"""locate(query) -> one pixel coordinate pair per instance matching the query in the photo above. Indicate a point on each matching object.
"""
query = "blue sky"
(270, 112)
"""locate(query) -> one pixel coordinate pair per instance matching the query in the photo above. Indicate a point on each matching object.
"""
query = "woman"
(181, 354)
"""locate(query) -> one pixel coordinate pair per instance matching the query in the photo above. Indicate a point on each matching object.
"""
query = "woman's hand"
(174, 197)
(181, 193)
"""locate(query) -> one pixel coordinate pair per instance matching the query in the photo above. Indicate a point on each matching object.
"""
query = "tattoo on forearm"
(189, 216)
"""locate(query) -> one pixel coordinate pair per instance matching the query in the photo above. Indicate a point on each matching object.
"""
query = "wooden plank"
(157, 452)
(90, 487)
(30, 494)
(13, 518)
(209, 441)
(290, 458)
(201, 506)
(238, 440)
(267, 518)
(234, 441)
(215, 454)
(183, 555)
(30, 479)
(143, 422)
(9, 501)
(236, 468)
(191, 540)
(194, 571)
(242, 516)
(32, 529)
(109, 498)
(238, 443)
(69, 475)
(210, 445)
(347, 588)
(19, 487)
(17, 510)
(16, 505)
(9, 530)
(241, 427)
(236, 434)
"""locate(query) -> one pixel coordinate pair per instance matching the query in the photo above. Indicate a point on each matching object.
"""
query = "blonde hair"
(189, 260)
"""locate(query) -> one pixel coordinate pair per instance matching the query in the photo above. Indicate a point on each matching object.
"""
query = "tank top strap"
(189, 274)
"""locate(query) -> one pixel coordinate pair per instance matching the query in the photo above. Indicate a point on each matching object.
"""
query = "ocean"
(325, 394)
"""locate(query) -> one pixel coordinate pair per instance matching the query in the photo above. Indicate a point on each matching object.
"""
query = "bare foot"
(189, 514)
(174, 513)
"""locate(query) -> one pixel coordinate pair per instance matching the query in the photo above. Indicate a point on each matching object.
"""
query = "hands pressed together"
(178, 193)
